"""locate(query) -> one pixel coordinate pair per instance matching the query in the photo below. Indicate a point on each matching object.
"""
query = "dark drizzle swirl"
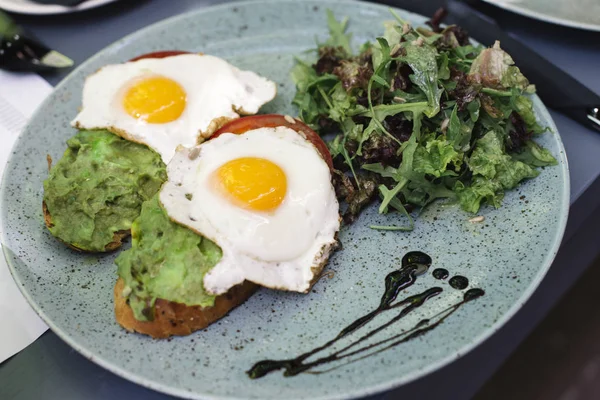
(440, 273)
(413, 265)
(416, 257)
(459, 282)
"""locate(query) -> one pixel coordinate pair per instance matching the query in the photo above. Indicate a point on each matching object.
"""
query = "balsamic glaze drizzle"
(440, 273)
(413, 265)
(416, 257)
(459, 282)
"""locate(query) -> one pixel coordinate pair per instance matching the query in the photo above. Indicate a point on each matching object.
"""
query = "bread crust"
(176, 319)
(117, 241)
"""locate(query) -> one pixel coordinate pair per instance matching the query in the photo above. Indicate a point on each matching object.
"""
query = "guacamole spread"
(98, 186)
(166, 261)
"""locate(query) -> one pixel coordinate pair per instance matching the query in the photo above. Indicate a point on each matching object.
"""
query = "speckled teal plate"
(507, 255)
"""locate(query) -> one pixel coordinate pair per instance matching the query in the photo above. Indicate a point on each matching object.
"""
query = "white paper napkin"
(20, 94)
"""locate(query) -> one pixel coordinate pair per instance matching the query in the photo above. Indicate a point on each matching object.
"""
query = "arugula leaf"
(459, 133)
(386, 110)
(381, 49)
(340, 103)
(366, 134)
(381, 81)
(335, 146)
(386, 172)
(389, 196)
(443, 69)
(422, 60)
(423, 191)
(389, 199)
(337, 31)
(406, 170)
(309, 87)
(393, 201)
(417, 118)
(473, 108)
(303, 75)
(465, 55)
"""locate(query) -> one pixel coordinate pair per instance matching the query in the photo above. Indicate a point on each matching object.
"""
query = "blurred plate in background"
(581, 14)
(31, 7)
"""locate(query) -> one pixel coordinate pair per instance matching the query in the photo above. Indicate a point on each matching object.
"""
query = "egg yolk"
(156, 100)
(255, 183)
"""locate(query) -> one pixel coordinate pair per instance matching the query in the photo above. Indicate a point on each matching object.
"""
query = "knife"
(556, 88)
(19, 52)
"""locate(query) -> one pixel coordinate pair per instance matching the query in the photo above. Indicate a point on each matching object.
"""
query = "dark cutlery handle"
(19, 52)
(593, 115)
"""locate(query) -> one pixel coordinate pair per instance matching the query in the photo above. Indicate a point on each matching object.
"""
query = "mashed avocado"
(98, 186)
(166, 261)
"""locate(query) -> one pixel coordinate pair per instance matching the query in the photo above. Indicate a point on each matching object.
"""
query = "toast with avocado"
(95, 191)
(160, 290)
(177, 319)
(117, 240)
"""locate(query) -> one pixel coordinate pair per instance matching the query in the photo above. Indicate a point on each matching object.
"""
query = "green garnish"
(420, 115)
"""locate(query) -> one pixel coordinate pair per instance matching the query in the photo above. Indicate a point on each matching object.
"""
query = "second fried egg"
(266, 198)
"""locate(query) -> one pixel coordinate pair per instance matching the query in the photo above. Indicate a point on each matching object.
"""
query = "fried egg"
(163, 103)
(266, 198)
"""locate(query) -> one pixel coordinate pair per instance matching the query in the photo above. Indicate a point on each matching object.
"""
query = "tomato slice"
(160, 54)
(244, 124)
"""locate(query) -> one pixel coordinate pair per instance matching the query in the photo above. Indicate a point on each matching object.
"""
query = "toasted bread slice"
(177, 319)
(117, 241)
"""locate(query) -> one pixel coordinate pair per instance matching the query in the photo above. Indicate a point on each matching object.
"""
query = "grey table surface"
(49, 369)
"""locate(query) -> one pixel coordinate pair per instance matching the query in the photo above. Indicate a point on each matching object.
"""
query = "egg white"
(216, 92)
(282, 249)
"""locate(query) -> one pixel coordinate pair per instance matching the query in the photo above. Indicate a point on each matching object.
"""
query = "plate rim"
(514, 7)
(371, 390)
(49, 9)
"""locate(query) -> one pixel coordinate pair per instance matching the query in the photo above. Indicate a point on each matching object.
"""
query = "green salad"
(418, 115)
